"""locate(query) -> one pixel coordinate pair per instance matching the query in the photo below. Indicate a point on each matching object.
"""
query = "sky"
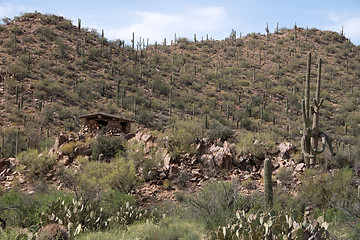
(161, 19)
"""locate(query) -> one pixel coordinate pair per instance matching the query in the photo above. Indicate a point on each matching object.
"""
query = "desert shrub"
(257, 144)
(113, 200)
(96, 177)
(219, 131)
(349, 210)
(68, 148)
(46, 143)
(160, 86)
(16, 233)
(9, 138)
(23, 210)
(345, 156)
(320, 189)
(19, 70)
(167, 229)
(145, 166)
(146, 117)
(46, 32)
(35, 165)
(216, 203)
(182, 135)
(284, 174)
(94, 53)
(106, 145)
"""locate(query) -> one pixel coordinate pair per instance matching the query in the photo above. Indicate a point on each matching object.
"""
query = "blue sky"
(161, 19)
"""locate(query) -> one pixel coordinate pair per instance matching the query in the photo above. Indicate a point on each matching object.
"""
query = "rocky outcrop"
(217, 157)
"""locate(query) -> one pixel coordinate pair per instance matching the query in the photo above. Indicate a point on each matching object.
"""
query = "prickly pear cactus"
(77, 216)
(272, 225)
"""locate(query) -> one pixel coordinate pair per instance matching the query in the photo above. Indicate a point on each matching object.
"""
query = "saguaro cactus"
(268, 191)
(311, 134)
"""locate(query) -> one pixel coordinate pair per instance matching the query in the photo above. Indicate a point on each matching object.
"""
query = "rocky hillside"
(205, 115)
(52, 71)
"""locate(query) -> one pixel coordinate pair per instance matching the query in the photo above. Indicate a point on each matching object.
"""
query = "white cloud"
(349, 23)
(157, 26)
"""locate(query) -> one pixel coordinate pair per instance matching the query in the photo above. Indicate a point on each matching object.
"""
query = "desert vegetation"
(226, 140)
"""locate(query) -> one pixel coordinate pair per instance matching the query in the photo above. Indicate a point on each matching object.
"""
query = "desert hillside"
(198, 119)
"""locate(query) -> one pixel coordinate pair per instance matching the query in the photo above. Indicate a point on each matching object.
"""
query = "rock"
(71, 138)
(10, 178)
(201, 148)
(173, 171)
(299, 167)
(60, 140)
(65, 160)
(138, 136)
(81, 138)
(14, 161)
(167, 161)
(84, 150)
(162, 175)
(196, 172)
(53, 231)
(285, 150)
(129, 136)
(4, 164)
(214, 148)
(22, 180)
(146, 137)
(218, 158)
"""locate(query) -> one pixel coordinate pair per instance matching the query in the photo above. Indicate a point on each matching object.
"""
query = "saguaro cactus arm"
(311, 133)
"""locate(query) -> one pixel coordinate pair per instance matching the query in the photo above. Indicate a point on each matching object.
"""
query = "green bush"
(284, 174)
(68, 148)
(16, 233)
(219, 131)
(35, 165)
(109, 146)
(182, 135)
(216, 204)
(9, 137)
(22, 210)
(145, 166)
(168, 228)
(257, 144)
(321, 189)
(96, 177)
(113, 200)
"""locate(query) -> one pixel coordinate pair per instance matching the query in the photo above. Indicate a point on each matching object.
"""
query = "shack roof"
(104, 116)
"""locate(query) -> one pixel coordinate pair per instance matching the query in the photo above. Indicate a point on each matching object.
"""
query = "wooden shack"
(106, 122)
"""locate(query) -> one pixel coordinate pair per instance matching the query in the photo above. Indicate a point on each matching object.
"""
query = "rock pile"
(79, 148)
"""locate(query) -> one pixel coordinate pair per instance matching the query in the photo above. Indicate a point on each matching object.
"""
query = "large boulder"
(60, 140)
(4, 164)
(53, 231)
(285, 149)
(84, 150)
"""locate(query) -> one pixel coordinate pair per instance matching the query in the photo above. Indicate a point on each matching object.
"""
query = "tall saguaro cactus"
(311, 134)
(268, 191)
